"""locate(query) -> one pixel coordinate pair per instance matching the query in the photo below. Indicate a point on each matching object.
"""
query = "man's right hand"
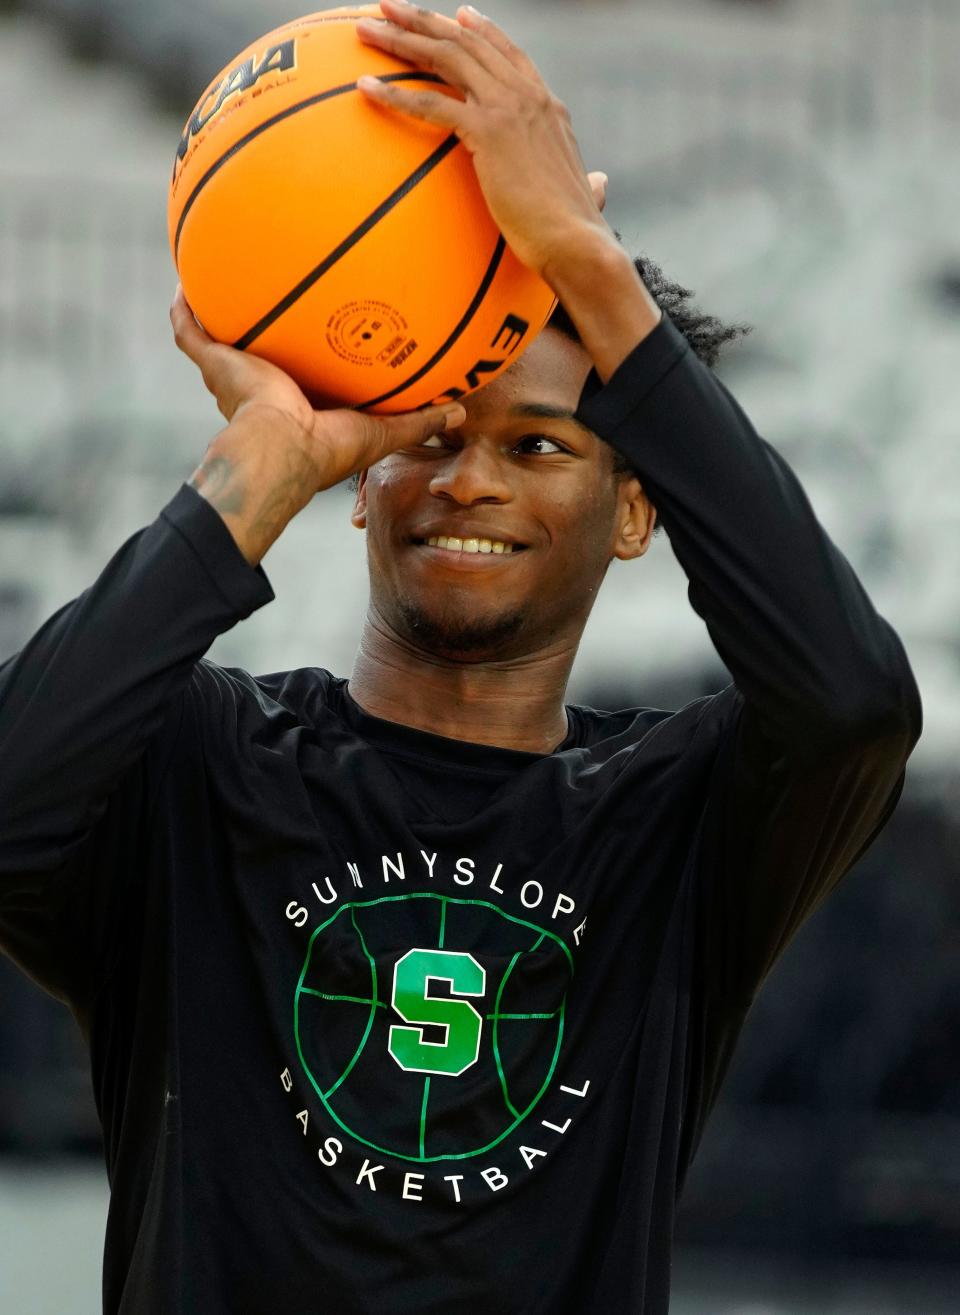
(277, 450)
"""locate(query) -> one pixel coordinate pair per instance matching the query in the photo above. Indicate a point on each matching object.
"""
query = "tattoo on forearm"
(256, 503)
(221, 483)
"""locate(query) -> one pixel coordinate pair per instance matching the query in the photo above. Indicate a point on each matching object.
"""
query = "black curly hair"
(705, 333)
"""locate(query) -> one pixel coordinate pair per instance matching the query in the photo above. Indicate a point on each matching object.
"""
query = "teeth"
(469, 545)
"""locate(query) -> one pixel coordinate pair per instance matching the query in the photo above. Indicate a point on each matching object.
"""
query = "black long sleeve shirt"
(385, 1021)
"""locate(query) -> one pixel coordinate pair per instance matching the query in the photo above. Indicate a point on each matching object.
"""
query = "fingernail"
(453, 416)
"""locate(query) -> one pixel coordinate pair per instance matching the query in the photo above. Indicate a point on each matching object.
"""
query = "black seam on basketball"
(465, 319)
(349, 241)
(278, 118)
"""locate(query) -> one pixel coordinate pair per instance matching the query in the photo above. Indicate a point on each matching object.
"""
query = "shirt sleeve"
(89, 711)
(814, 733)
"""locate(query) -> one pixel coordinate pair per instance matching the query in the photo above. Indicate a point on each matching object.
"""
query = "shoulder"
(704, 718)
(301, 695)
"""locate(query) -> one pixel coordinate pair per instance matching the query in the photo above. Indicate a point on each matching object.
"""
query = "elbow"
(884, 711)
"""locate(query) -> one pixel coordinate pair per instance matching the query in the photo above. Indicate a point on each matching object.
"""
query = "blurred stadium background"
(794, 162)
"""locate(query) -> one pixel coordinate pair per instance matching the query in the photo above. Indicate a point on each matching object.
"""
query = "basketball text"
(274, 60)
(512, 332)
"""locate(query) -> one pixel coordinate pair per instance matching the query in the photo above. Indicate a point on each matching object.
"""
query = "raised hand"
(518, 133)
(278, 450)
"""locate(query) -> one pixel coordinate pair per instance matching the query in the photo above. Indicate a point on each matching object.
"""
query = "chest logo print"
(430, 1051)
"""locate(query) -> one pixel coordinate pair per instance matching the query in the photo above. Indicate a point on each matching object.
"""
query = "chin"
(458, 634)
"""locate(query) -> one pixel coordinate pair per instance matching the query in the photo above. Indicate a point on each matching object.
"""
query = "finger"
(598, 185)
(383, 434)
(446, 56)
(416, 18)
(212, 358)
(431, 106)
(187, 333)
(498, 39)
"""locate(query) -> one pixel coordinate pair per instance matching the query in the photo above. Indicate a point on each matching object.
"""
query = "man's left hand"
(518, 133)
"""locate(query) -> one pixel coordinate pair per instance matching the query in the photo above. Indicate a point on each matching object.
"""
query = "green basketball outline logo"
(411, 1002)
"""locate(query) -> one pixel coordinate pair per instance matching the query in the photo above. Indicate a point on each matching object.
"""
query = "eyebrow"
(545, 411)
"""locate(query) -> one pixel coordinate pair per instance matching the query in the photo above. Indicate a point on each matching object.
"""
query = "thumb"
(382, 434)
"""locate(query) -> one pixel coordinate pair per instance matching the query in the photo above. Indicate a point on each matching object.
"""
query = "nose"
(472, 473)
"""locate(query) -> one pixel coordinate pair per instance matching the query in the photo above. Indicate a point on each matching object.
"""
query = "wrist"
(257, 474)
(590, 250)
(600, 289)
(271, 423)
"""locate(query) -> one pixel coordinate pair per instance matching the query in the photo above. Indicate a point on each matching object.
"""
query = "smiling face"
(532, 504)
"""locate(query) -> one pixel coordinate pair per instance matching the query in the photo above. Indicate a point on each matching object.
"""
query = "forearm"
(257, 475)
(783, 606)
(600, 289)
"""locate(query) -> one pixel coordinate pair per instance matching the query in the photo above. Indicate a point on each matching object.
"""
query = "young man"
(412, 993)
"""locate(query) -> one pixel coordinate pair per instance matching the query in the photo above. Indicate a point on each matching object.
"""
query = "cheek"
(391, 493)
(584, 525)
(387, 474)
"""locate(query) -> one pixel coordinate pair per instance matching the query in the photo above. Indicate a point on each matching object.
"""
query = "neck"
(514, 702)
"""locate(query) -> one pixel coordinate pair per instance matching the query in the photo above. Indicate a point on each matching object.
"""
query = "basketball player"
(411, 992)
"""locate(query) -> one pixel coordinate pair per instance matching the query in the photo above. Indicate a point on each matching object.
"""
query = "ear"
(358, 517)
(636, 518)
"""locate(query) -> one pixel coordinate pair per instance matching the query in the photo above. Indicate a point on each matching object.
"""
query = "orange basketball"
(348, 243)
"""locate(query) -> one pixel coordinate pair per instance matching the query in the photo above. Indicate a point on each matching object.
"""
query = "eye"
(547, 446)
(552, 444)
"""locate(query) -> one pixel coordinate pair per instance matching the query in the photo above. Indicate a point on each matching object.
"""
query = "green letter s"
(461, 1022)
